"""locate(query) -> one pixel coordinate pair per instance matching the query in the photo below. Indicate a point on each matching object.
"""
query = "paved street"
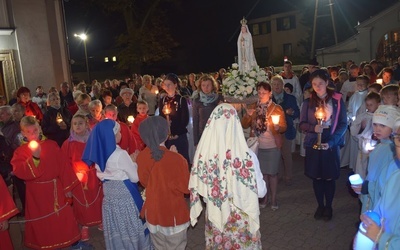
(291, 227)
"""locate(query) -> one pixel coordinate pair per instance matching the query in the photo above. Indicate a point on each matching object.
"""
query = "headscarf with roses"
(223, 171)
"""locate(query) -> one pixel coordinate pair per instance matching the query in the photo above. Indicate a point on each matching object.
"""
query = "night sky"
(205, 30)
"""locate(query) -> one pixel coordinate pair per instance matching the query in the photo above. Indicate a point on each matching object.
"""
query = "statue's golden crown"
(243, 21)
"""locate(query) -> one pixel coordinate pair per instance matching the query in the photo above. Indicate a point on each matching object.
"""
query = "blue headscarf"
(101, 144)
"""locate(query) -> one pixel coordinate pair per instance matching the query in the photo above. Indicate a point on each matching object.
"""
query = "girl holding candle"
(322, 166)
(88, 195)
(175, 109)
(269, 137)
(31, 108)
(56, 121)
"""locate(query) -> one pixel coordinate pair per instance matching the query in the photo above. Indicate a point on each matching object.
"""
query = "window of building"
(262, 55)
(255, 29)
(114, 58)
(286, 23)
(106, 59)
(287, 49)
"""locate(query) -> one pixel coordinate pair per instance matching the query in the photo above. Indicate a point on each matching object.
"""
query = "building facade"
(377, 38)
(33, 45)
(277, 36)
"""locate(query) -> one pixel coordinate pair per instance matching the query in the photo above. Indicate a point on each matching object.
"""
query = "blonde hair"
(207, 77)
(82, 97)
(277, 78)
(28, 121)
(95, 103)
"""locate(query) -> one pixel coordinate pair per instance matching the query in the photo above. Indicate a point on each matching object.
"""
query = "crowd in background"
(353, 95)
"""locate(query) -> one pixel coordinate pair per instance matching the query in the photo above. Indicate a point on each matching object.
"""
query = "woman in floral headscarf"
(226, 174)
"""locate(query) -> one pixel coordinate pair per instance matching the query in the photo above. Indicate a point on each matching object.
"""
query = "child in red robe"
(50, 221)
(127, 142)
(88, 195)
(142, 109)
(7, 210)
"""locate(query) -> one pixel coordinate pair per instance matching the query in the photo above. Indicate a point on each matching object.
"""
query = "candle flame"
(33, 145)
(131, 119)
(275, 119)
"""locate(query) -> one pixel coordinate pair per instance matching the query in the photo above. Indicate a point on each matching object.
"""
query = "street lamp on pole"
(83, 37)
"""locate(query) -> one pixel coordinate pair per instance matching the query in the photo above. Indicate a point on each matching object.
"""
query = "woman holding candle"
(56, 121)
(269, 132)
(31, 108)
(322, 163)
(174, 108)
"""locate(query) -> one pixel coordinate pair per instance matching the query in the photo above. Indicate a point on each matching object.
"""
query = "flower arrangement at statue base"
(238, 87)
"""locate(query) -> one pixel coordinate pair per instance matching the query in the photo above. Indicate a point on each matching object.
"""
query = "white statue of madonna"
(246, 58)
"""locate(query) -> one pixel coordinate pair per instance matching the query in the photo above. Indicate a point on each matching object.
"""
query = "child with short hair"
(389, 95)
(142, 109)
(362, 129)
(128, 141)
(375, 87)
(88, 195)
(383, 122)
(96, 113)
(123, 228)
(50, 220)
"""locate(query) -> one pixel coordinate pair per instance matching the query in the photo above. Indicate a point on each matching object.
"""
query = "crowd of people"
(123, 155)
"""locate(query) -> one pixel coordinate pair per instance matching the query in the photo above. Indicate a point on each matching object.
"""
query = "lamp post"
(83, 37)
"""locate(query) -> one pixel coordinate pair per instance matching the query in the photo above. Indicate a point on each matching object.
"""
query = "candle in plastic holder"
(379, 81)
(361, 241)
(275, 119)
(131, 119)
(156, 92)
(355, 179)
(33, 145)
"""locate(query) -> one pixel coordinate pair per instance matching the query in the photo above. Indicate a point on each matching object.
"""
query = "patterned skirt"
(123, 229)
(236, 234)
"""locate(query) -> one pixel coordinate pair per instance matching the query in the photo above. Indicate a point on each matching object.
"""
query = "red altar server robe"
(88, 195)
(135, 130)
(46, 185)
(7, 210)
(127, 142)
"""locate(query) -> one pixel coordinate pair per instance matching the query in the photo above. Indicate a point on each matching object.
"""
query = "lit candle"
(131, 119)
(156, 92)
(166, 110)
(380, 81)
(355, 179)
(275, 119)
(369, 147)
(33, 145)
(59, 118)
(319, 113)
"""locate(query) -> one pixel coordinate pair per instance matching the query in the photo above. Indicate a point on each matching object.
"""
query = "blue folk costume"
(123, 228)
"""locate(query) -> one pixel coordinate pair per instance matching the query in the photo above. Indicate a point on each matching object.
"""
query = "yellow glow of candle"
(320, 114)
(131, 119)
(166, 110)
(275, 119)
(59, 120)
(380, 81)
(33, 145)
(156, 92)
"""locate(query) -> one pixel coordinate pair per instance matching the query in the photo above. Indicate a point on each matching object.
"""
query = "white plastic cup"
(355, 179)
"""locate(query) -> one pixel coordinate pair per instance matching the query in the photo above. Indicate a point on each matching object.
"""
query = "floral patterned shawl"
(223, 171)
